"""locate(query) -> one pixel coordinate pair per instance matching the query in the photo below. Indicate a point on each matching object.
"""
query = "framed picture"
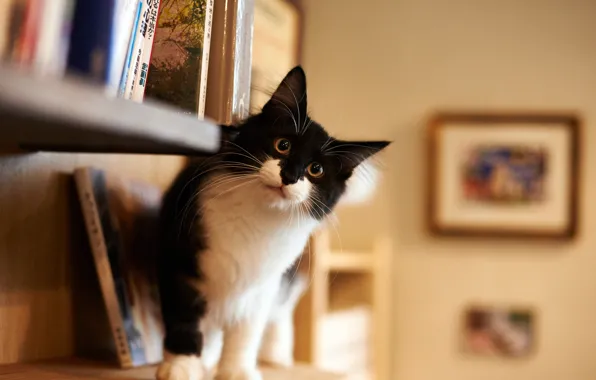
(499, 331)
(503, 175)
(276, 46)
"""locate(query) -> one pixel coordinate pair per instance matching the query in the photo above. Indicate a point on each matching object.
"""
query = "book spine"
(137, 55)
(49, 53)
(91, 39)
(202, 98)
(5, 19)
(84, 184)
(130, 51)
(30, 32)
(148, 35)
(124, 19)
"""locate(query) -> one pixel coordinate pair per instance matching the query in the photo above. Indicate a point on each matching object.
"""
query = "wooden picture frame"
(507, 331)
(277, 46)
(510, 174)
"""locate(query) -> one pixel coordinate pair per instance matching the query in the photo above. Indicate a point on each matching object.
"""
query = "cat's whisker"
(296, 101)
(213, 185)
(246, 151)
(289, 112)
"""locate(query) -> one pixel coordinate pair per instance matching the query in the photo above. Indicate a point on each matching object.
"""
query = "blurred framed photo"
(508, 175)
(499, 331)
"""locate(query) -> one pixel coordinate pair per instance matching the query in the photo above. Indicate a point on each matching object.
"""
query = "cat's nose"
(288, 177)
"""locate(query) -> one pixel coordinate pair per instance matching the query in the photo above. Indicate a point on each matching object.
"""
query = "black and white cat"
(232, 227)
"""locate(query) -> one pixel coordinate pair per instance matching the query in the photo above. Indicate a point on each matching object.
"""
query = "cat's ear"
(353, 153)
(290, 95)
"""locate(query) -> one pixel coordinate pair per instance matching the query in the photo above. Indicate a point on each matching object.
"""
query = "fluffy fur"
(232, 228)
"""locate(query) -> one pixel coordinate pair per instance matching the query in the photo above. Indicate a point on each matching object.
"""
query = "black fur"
(181, 235)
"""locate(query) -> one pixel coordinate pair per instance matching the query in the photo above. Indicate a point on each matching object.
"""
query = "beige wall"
(376, 70)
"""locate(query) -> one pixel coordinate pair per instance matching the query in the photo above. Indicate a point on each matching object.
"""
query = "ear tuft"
(289, 95)
(353, 153)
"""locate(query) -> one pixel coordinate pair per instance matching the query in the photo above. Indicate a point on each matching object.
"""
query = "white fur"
(255, 228)
(254, 234)
(361, 185)
(180, 367)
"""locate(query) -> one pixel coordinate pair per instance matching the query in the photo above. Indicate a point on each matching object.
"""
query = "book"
(134, 64)
(53, 37)
(130, 51)
(125, 17)
(178, 68)
(120, 217)
(148, 33)
(13, 29)
(91, 39)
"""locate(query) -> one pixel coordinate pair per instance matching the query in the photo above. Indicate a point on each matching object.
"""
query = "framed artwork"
(499, 331)
(276, 46)
(503, 175)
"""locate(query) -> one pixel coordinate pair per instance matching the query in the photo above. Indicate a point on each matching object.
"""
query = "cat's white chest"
(249, 246)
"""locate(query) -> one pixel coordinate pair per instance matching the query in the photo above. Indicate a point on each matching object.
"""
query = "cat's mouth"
(277, 190)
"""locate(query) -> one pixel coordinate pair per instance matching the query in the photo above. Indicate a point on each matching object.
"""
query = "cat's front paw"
(181, 367)
(238, 374)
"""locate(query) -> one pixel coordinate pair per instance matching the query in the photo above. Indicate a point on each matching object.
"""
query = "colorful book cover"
(91, 39)
(121, 217)
(178, 68)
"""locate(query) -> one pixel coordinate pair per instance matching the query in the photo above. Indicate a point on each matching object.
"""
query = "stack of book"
(133, 48)
(347, 353)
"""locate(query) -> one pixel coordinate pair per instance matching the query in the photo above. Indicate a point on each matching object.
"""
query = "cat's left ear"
(353, 153)
(290, 95)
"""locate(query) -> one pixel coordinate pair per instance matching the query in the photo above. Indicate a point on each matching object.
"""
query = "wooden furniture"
(342, 323)
(83, 370)
(74, 116)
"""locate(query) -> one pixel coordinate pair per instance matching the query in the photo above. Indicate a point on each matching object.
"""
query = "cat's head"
(291, 157)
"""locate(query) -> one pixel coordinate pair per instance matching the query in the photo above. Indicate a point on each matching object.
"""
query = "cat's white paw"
(181, 367)
(238, 374)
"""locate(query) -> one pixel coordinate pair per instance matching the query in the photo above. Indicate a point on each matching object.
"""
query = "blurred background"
(415, 284)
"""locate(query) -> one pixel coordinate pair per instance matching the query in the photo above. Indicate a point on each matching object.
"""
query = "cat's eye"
(315, 170)
(282, 146)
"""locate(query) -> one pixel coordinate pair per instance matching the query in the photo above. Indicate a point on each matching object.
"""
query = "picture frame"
(277, 46)
(507, 174)
(499, 331)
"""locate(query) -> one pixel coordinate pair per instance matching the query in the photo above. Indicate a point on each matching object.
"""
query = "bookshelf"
(71, 115)
(50, 127)
(349, 291)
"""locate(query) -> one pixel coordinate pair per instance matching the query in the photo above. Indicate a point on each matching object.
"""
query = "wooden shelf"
(71, 115)
(349, 261)
(84, 370)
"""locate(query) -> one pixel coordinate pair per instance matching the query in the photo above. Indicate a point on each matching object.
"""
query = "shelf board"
(85, 370)
(70, 115)
(349, 261)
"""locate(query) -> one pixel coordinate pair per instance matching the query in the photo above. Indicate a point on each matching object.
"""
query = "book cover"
(120, 217)
(137, 51)
(148, 32)
(91, 39)
(178, 68)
